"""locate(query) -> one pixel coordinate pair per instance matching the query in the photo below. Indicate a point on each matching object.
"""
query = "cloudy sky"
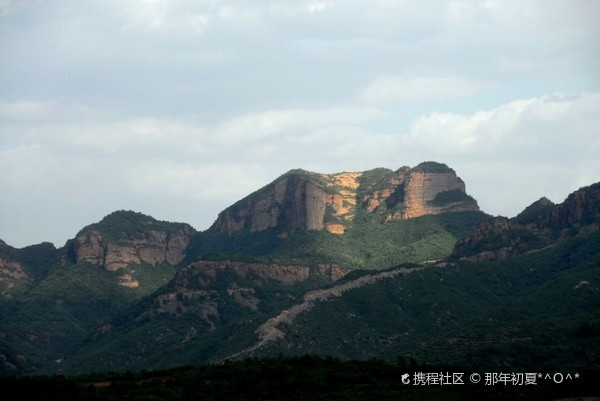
(179, 108)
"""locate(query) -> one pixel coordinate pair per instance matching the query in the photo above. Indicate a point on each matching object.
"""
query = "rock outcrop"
(425, 191)
(540, 225)
(208, 286)
(296, 200)
(11, 273)
(259, 272)
(303, 201)
(125, 238)
(24, 265)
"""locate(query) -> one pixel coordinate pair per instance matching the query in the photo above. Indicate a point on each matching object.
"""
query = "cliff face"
(540, 225)
(294, 200)
(117, 241)
(302, 201)
(423, 188)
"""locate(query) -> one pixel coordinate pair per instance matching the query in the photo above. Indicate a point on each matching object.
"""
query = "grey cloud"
(143, 104)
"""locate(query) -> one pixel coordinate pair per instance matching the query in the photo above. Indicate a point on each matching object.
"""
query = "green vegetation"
(452, 196)
(373, 180)
(37, 260)
(535, 212)
(123, 224)
(432, 167)
(50, 319)
(367, 244)
(537, 311)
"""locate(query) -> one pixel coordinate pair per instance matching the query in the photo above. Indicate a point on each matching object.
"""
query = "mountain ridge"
(303, 201)
(540, 225)
(131, 291)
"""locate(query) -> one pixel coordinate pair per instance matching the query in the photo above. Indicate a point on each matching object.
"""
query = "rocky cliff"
(303, 201)
(125, 238)
(540, 225)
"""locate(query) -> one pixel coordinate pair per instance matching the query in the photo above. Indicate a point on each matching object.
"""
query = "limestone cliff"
(303, 201)
(540, 225)
(125, 238)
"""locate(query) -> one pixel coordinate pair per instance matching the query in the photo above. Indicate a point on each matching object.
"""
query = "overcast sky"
(177, 109)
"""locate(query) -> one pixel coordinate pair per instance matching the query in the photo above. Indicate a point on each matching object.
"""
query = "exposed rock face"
(542, 224)
(154, 243)
(262, 272)
(301, 201)
(24, 265)
(342, 199)
(209, 285)
(332, 271)
(11, 273)
(580, 209)
(422, 188)
(296, 201)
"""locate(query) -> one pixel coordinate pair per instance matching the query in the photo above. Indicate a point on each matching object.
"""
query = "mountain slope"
(538, 311)
(209, 310)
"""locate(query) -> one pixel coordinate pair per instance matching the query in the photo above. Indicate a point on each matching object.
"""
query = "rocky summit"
(124, 238)
(303, 201)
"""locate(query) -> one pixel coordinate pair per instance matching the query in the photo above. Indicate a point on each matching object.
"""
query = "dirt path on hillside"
(270, 330)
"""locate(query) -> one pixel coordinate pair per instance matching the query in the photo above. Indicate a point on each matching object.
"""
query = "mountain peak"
(302, 201)
(535, 211)
(126, 214)
(126, 237)
(432, 167)
(540, 225)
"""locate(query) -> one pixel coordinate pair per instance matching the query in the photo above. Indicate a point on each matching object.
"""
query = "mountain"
(540, 225)
(132, 272)
(529, 310)
(517, 293)
(363, 220)
(53, 298)
(125, 239)
(377, 263)
(303, 201)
